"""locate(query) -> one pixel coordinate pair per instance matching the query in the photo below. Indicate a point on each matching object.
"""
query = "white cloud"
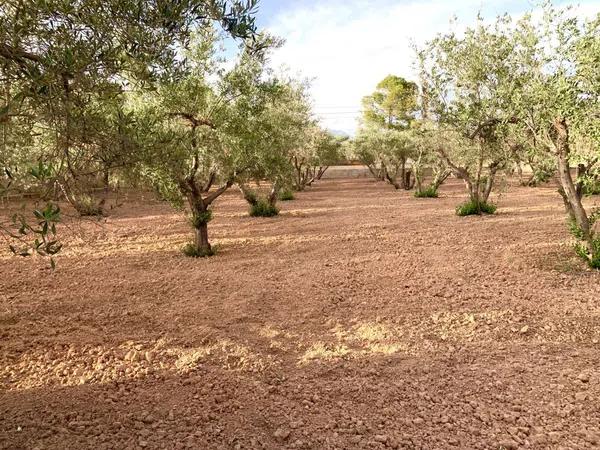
(347, 47)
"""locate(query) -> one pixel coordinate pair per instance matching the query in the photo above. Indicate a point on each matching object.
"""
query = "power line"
(338, 112)
(335, 106)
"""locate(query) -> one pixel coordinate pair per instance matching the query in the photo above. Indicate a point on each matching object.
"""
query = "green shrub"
(430, 192)
(250, 197)
(592, 258)
(200, 218)
(583, 253)
(193, 252)
(286, 195)
(472, 208)
(574, 229)
(542, 176)
(593, 189)
(86, 205)
(263, 208)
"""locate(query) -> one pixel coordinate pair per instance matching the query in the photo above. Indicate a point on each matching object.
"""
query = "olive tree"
(386, 153)
(282, 126)
(315, 153)
(427, 139)
(202, 131)
(559, 57)
(70, 61)
(64, 69)
(469, 80)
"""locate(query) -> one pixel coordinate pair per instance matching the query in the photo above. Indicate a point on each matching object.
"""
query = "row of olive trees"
(513, 92)
(492, 99)
(65, 72)
(212, 129)
(403, 158)
(85, 105)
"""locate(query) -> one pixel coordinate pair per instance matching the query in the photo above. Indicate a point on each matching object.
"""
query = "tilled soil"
(359, 318)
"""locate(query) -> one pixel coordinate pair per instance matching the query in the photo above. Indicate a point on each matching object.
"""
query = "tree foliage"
(522, 91)
(65, 68)
(393, 105)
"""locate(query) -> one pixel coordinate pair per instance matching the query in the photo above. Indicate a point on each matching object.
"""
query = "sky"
(345, 47)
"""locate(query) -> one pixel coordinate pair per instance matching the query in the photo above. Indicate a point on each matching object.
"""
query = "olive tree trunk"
(200, 209)
(571, 196)
(201, 238)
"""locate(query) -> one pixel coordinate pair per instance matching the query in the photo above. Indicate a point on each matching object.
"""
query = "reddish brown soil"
(359, 318)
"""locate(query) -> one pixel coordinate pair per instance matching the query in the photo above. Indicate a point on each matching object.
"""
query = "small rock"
(581, 396)
(592, 438)
(281, 434)
(584, 377)
(525, 329)
(148, 419)
(381, 438)
(507, 444)
(296, 424)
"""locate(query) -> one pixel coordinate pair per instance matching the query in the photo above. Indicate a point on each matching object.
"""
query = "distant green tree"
(393, 105)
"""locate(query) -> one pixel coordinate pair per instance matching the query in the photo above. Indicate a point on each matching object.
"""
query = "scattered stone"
(381, 438)
(584, 377)
(296, 424)
(507, 444)
(281, 434)
(593, 438)
(525, 329)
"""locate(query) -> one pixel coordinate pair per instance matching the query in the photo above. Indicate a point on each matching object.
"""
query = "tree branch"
(212, 197)
(18, 55)
(195, 122)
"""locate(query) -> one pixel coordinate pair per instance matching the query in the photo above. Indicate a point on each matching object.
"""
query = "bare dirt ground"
(359, 318)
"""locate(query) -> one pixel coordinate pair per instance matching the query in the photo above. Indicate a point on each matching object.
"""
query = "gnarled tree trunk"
(570, 193)
(201, 239)
(408, 181)
(272, 198)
